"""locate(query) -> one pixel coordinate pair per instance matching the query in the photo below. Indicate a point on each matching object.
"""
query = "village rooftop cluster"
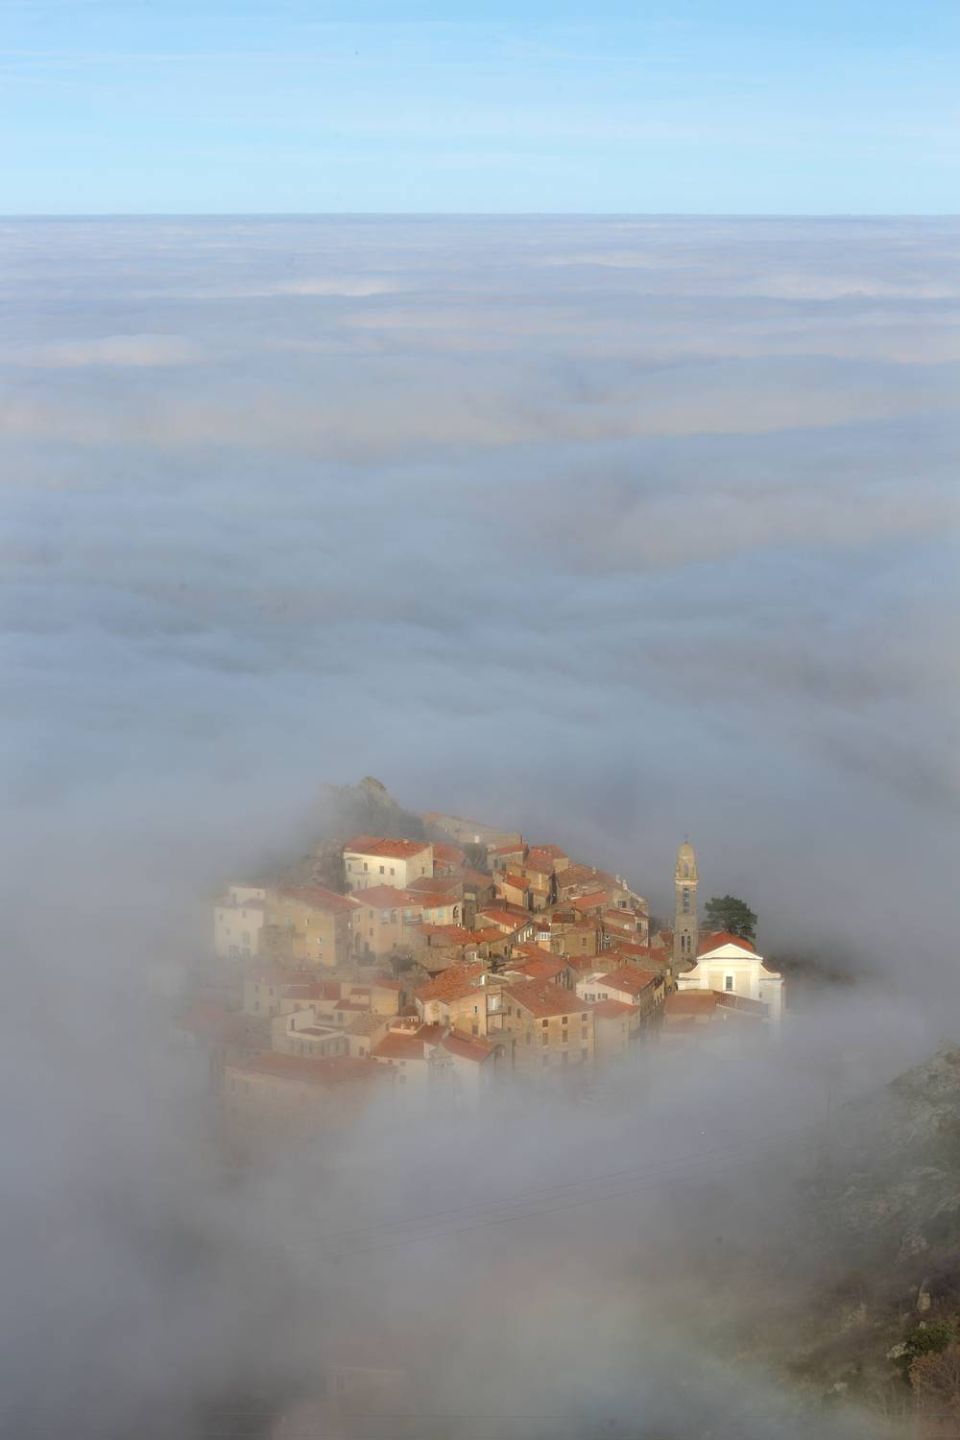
(446, 966)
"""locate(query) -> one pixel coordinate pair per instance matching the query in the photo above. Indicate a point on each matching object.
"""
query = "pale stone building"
(548, 1025)
(387, 920)
(373, 860)
(643, 990)
(308, 925)
(462, 1067)
(237, 922)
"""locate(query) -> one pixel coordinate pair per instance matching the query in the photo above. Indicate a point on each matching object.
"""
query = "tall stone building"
(686, 927)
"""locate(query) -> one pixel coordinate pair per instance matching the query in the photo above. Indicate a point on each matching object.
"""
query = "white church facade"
(722, 963)
(734, 968)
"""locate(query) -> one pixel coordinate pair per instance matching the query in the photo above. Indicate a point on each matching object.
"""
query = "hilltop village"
(441, 966)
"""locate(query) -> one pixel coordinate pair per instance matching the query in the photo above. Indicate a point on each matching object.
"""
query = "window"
(544, 1038)
(544, 1023)
(728, 983)
(381, 870)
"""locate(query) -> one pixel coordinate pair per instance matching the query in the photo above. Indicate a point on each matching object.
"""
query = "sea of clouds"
(611, 530)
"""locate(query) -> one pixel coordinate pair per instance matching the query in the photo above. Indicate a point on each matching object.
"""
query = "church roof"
(713, 939)
(732, 949)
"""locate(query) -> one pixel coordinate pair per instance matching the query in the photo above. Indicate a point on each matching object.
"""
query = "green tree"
(727, 912)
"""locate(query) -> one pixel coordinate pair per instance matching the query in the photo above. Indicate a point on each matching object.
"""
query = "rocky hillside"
(367, 808)
(884, 1213)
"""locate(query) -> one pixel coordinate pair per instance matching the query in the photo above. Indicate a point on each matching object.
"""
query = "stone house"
(550, 1026)
(308, 925)
(374, 860)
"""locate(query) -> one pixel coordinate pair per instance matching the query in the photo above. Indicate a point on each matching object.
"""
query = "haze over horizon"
(613, 527)
(616, 529)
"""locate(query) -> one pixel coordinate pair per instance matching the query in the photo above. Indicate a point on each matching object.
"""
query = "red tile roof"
(504, 917)
(518, 882)
(446, 854)
(543, 998)
(575, 875)
(713, 939)
(629, 980)
(441, 901)
(396, 1045)
(388, 897)
(434, 884)
(594, 901)
(452, 934)
(450, 984)
(530, 950)
(690, 1002)
(319, 897)
(543, 967)
(612, 1009)
(467, 1047)
(383, 848)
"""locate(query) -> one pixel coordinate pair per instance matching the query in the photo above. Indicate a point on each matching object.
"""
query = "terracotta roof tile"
(388, 897)
(713, 939)
(504, 917)
(450, 984)
(384, 848)
(467, 1047)
(629, 980)
(319, 897)
(542, 967)
(690, 1002)
(593, 901)
(612, 1009)
(543, 998)
(396, 1045)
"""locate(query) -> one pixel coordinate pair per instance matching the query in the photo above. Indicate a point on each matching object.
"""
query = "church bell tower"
(686, 927)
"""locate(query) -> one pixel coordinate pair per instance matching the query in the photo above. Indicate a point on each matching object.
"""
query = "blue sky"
(730, 106)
